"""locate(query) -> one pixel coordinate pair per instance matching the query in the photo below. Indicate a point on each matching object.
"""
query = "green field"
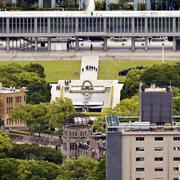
(108, 69)
(56, 70)
(67, 69)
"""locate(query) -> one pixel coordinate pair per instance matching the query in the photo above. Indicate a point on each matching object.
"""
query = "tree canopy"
(80, 169)
(31, 76)
(27, 170)
(43, 117)
(36, 152)
(128, 106)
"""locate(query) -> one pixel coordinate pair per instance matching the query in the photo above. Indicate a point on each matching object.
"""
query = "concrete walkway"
(89, 68)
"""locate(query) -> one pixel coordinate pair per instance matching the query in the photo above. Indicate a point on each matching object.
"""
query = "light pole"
(163, 53)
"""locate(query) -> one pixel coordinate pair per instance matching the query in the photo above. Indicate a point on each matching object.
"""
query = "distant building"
(156, 104)
(11, 98)
(148, 149)
(78, 138)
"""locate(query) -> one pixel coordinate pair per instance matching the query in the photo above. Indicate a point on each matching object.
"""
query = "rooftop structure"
(156, 104)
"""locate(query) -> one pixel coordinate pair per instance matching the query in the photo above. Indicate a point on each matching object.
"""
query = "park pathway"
(89, 74)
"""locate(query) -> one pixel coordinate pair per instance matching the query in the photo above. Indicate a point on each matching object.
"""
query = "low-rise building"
(11, 98)
(79, 140)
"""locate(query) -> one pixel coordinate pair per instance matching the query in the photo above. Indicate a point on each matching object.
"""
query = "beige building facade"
(151, 155)
(11, 98)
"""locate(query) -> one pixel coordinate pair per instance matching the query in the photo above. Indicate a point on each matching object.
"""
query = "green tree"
(36, 68)
(162, 75)
(31, 76)
(38, 91)
(36, 152)
(129, 106)
(5, 144)
(79, 169)
(99, 124)
(59, 111)
(27, 170)
(176, 105)
(99, 172)
(131, 85)
(8, 169)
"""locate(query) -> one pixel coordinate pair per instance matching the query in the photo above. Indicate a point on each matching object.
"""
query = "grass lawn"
(108, 69)
(56, 70)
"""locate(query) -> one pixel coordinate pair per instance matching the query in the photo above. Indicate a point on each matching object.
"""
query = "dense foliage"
(39, 163)
(31, 76)
(27, 170)
(159, 74)
(44, 117)
(162, 75)
(34, 151)
(127, 107)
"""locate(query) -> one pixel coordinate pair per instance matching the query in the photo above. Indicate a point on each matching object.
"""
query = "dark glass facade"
(165, 4)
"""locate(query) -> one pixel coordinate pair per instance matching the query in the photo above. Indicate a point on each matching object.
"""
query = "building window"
(139, 178)
(176, 178)
(158, 138)
(158, 169)
(176, 158)
(176, 138)
(159, 178)
(139, 169)
(158, 158)
(139, 138)
(176, 148)
(158, 149)
(176, 169)
(140, 149)
(140, 159)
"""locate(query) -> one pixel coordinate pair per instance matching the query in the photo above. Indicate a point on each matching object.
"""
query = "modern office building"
(11, 98)
(145, 150)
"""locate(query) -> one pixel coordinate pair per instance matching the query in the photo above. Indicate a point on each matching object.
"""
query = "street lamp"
(163, 52)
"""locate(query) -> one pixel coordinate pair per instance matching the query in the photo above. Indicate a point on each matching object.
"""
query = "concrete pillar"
(146, 43)
(136, 3)
(148, 5)
(174, 44)
(107, 5)
(53, 4)
(14, 2)
(105, 44)
(7, 44)
(41, 3)
(77, 43)
(36, 43)
(133, 44)
(49, 44)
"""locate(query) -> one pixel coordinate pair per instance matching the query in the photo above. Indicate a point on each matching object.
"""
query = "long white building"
(43, 24)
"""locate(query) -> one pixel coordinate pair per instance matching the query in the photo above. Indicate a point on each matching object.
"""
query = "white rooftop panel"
(89, 14)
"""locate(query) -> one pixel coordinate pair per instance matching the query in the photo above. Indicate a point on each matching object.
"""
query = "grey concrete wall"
(114, 156)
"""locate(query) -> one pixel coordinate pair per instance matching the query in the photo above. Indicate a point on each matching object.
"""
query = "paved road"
(91, 63)
(73, 55)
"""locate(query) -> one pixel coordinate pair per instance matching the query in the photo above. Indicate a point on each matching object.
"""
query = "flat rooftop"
(5, 90)
(113, 124)
(89, 14)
